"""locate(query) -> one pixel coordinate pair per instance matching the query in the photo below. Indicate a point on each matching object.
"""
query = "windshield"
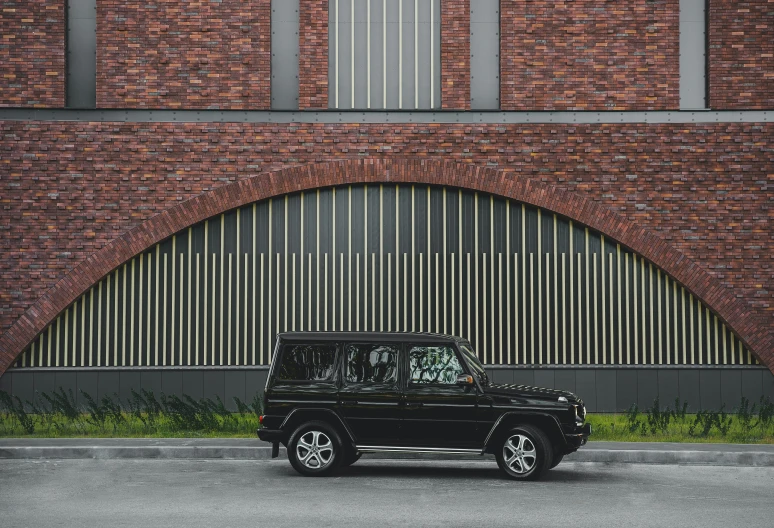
(474, 364)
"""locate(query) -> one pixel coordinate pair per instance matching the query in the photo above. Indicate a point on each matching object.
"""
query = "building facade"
(582, 189)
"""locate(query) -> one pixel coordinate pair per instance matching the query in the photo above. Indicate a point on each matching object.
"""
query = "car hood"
(527, 391)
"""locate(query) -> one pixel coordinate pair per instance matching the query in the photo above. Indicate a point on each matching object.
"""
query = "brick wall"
(313, 55)
(455, 54)
(73, 187)
(590, 55)
(32, 29)
(741, 54)
(192, 54)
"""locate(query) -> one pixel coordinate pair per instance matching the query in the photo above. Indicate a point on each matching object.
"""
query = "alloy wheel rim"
(519, 454)
(314, 450)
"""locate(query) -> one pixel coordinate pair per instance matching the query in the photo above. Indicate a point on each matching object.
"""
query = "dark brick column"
(182, 55)
(590, 55)
(313, 55)
(455, 54)
(32, 53)
(741, 55)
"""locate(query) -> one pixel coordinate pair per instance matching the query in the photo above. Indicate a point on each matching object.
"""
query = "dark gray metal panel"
(255, 382)
(647, 387)
(108, 385)
(24, 386)
(6, 383)
(172, 382)
(693, 54)
(500, 375)
(422, 117)
(284, 54)
(710, 390)
(67, 381)
(545, 378)
(88, 382)
(768, 385)
(690, 388)
(82, 54)
(585, 381)
(151, 381)
(668, 386)
(626, 389)
(607, 393)
(485, 54)
(752, 384)
(564, 379)
(524, 377)
(193, 384)
(235, 388)
(129, 380)
(214, 384)
(730, 388)
(45, 382)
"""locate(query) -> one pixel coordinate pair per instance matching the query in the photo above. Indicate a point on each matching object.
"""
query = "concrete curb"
(246, 449)
(701, 458)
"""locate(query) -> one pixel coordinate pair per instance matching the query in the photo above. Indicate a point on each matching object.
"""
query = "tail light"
(260, 419)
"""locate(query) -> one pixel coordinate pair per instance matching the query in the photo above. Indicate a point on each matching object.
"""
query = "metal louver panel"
(522, 284)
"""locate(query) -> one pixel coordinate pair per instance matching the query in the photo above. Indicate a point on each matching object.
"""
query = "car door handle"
(414, 404)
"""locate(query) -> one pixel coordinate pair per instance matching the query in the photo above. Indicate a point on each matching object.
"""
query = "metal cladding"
(524, 285)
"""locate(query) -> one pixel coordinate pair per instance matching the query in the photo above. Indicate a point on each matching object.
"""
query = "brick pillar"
(313, 55)
(455, 54)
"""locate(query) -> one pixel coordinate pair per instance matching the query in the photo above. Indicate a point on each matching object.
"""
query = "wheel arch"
(301, 415)
(544, 421)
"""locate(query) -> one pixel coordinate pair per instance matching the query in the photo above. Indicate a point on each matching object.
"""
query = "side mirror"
(465, 379)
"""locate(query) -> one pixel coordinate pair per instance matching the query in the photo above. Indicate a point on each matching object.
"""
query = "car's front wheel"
(525, 453)
(315, 449)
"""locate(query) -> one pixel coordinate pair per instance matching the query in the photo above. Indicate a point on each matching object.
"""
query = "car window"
(307, 362)
(371, 363)
(433, 364)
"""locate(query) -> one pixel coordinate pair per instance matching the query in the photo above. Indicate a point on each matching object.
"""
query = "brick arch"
(735, 313)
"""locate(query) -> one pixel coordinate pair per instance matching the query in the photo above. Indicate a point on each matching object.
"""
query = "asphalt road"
(157, 493)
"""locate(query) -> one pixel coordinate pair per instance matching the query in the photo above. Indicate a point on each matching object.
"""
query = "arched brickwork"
(734, 312)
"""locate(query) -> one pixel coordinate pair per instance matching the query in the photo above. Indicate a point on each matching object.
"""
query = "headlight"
(580, 413)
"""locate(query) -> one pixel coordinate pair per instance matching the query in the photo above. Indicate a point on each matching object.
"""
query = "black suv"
(332, 396)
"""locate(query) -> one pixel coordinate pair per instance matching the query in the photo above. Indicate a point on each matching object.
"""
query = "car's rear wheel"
(315, 449)
(525, 453)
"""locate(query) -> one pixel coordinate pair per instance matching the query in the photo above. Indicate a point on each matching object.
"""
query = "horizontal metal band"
(436, 450)
(347, 117)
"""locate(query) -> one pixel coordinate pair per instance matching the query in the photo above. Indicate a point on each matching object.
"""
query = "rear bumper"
(271, 435)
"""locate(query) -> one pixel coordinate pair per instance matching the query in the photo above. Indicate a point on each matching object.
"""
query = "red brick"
(32, 53)
(741, 54)
(589, 55)
(196, 54)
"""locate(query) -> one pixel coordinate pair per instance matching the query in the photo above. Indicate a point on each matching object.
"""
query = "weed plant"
(143, 414)
(747, 423)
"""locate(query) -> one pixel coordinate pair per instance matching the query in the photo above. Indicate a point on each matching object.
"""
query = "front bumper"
(579, 437)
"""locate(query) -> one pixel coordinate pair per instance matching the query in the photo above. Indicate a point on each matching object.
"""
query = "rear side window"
(307, 363)
(433, 364)
(371, 363)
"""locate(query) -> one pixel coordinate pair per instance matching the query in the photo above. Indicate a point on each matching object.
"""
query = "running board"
(432, 450)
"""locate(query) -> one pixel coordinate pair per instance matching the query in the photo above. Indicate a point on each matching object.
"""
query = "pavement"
(385, 493)
(751, 455)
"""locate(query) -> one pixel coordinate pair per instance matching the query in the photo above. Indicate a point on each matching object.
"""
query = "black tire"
(530, 457)
(329, 449)
(557, 460)
(351, 458)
